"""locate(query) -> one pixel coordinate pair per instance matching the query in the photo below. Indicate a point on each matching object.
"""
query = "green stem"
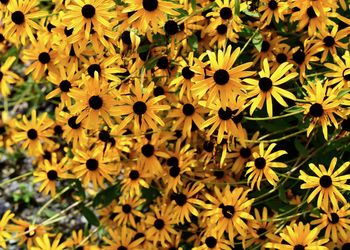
(50, 201)
(273, 117)
(16, 178)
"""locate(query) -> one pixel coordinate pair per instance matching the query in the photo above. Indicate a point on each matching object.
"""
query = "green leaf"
(300, 147)
(105, 197)
(90, 216)
(257, 41)
(194, 4)
(143, 48)
(182, 12)
(282, 194)
(237, 7)
(193, 42)
(343, 93)
(79, 189)
(151, 63)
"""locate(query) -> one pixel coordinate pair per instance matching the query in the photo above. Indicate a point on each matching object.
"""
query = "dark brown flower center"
(188, 109)
(265, 84)
(147, 150)
(221, 77)
(299, 56)
(228, 211)
(334, 218)
(187, 73)
(65, 85)
(44, 57)
(52, 175)
(134, 175)
(72, 122)
(225, 13)
(95, 102)
(171, 27)
(17, 17)
(316, 110)
(91, 164)
(92, 68)
(329, 41)
(126, 208)
(32, 134)
(225, 114)
(211, 242)
(150, 5)
(221, 29)
(272, 4)
(326, 181)
(311, 12)
(159, 224)
(260, 162)
(139, 108)
(88, 11)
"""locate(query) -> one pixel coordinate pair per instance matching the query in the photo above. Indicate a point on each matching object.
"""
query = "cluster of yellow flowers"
(183, 124)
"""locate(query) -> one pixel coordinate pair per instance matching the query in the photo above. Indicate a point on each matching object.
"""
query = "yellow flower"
(4, 233)
(326, 184)
(268, 86)
(263, 164)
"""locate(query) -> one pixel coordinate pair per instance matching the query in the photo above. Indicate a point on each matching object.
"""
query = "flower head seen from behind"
(43, 243)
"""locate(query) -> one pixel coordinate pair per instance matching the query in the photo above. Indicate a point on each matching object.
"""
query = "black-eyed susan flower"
(159, 221)
(122, 238)
(42, 58)
(76, 239)
(135, 178)
(221, 119)
(322, 105)
(141, 109)
(303, 56)
(184, 81)
(25, 233)
(263, 164)
(213, 242)
(180, 162)
(149, 151)
(340, 70)
(261, 229)
(43, 243)
(326, 184)
(65, 79)
(91, 166)
(227, 211)
(33, 134)
(84, 15)
(335, 222)
(275, 9)
(185, 202)
(329, 41)
(73, 132)
(242, 152)
(4, 233)
(267, 87)
(7, 77)
(149, 13)
(49, 172)
(19, 23)
(299, 236)
(93, 101)
(221, 81)
(128, 210)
